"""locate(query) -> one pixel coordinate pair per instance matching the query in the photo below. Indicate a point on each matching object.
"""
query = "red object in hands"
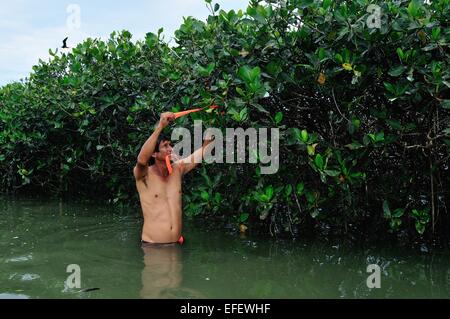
(183, 113)
(168, 164)
(181, 240)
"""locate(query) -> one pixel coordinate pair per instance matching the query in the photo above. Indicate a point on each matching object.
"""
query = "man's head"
(162, 149)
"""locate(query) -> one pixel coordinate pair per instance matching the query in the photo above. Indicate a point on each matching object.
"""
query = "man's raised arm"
(140, 170)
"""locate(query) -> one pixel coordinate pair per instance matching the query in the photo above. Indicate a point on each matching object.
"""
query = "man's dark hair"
(161, 138)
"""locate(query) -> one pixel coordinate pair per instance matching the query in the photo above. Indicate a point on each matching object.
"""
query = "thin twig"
(432, 193)
(297, 202)
(335, 103)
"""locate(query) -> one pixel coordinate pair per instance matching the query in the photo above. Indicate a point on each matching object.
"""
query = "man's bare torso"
(161, 205)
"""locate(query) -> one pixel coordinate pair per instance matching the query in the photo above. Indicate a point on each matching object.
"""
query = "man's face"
(165, 148)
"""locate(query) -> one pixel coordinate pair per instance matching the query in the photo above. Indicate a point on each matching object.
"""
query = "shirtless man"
(159, 191)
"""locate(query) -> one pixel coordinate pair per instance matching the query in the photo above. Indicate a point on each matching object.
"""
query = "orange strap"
(183, 113)
(169, 166)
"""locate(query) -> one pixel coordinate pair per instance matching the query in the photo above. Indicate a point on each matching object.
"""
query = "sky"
(29, 28)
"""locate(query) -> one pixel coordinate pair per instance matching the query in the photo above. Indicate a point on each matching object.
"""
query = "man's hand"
(165, 119)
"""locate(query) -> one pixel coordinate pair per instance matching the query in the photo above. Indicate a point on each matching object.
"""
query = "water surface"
(39, 239)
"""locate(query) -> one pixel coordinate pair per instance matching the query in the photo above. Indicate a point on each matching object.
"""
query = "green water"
(39, 239)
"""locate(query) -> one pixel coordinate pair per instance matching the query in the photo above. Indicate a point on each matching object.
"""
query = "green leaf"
(300, 187)
(248, 74)
(269, 192)
(319, 161)
(185, 100)
(389, 87)
(206, 71)
(240, 91)
(204, 195)
(400, 53)
(288, 190)
(413, 8)
(445, 104)
(420, 228)
(243, 114)
(304, 135)
(216, 7)
(151, 39)
(278, 117)
(310, 197)
(398, 212)
(259, 108)
(255, 73)
(332, 173)
(243, 217)
(397, 71)
(435, 34)
(340, 16)
(217, 197)
(305, 3)
(326, 4)
(322, 54)
(395, 223)
(354, 146)
(379, 137)
(356, 122)
(386, 210)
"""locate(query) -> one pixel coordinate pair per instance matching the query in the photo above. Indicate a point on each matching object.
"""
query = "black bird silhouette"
(65, 44)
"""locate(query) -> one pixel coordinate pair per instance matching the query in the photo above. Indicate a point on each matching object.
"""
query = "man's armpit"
(139, 171)
(179, 165)
(139, 179)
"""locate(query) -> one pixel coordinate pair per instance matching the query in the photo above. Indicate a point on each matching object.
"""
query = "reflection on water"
(161, 275)
(38, 239)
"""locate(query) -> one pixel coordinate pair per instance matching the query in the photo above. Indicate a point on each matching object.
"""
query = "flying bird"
(65, 43)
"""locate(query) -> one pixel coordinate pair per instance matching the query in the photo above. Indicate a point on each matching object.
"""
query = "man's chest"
(164, 187)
